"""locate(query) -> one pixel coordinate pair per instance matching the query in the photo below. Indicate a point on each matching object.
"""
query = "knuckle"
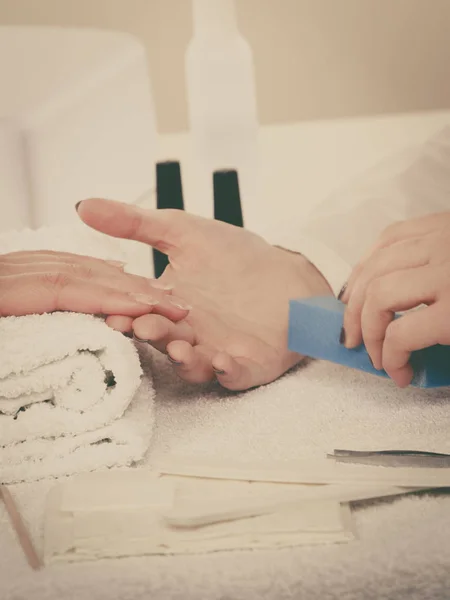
(58, 280)
(76, 270)
(394, 333)
(375, 290)
(370, 333)
(136, 224)
(351, 317)
(84, 272)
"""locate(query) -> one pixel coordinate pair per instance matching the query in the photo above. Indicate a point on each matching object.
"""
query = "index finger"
(411, 228)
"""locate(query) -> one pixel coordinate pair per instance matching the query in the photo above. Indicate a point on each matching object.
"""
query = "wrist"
(307, 271)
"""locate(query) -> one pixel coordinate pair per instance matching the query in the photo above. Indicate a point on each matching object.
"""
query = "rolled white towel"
(72, 396)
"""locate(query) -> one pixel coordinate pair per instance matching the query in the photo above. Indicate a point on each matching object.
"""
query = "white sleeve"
(413, 183)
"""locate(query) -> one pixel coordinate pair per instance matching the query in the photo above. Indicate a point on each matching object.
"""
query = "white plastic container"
(76, 120)
(221, 97)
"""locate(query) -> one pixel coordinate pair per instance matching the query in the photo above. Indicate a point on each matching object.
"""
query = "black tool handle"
(169, 194)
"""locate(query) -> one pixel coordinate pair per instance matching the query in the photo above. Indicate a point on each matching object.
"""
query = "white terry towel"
(66, 381)
(71, 395)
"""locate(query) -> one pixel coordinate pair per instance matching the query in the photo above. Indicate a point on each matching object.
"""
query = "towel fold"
(66, 381)
(71, 395)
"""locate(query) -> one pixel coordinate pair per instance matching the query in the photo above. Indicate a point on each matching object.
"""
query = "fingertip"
(222, 363)
(228, 372)
(349, 339)
(352, 336)
(342, 294)
(403, 377)
(180, 352)
(119, 323)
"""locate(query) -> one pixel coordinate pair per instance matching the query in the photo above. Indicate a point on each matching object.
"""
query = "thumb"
(166, 230)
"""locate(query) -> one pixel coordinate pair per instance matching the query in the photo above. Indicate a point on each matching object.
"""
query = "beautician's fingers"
(191, 363)
(419, 329)
(413, 228)
(237, 373)
(421, 227)
(407, 254)
(160, 331)
(400, 255)
(396, 292)
(403, 254)
(38, 293)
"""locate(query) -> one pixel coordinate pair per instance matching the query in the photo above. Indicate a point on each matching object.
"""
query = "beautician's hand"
(408, 267)
(42, 281)
(237, 284)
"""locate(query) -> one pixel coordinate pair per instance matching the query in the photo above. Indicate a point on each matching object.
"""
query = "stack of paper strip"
(189, 508)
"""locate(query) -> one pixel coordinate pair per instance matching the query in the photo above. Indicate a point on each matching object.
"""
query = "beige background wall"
(314, 58)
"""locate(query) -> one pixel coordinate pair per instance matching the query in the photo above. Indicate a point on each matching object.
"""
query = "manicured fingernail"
(138, 339)
(179, 303)
(143, 299)
(173, 361)
(159, 285)
(116, 263)
(342, 292)
(77, 205)
(218, 371)
(342, 336)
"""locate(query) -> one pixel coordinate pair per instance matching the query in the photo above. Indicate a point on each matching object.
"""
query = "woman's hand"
(409, 268)
(44, 281)
(238, 285)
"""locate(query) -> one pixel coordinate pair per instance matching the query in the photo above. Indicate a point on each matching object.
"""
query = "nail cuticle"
(116, 263)
(179, 304)
(143, 299)
(166, 287)
(178, 363)
(138, 339)
(343, 290)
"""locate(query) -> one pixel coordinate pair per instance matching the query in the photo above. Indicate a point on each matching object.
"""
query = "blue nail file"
(314, 329)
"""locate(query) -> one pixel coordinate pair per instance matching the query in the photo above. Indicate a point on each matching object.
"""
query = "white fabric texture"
(58, 415)
(402, 547)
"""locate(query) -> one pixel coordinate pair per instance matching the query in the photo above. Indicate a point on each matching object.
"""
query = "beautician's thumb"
(165, 230)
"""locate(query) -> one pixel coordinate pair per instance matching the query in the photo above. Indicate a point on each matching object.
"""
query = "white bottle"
(221, 96)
